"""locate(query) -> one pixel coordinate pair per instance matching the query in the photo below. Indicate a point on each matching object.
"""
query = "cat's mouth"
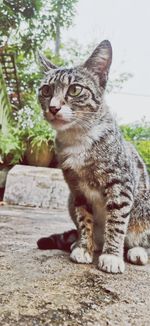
(57, 120)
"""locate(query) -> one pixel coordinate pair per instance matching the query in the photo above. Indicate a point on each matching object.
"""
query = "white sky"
(126, 23)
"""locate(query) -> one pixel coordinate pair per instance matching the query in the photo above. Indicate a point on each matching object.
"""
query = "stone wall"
(36, 187)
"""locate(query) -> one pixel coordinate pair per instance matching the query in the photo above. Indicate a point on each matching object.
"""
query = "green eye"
(74, 90)
(46, 91)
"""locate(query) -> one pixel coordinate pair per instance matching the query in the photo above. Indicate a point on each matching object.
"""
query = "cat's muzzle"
(54, 110)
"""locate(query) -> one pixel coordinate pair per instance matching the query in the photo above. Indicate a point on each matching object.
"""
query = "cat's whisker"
(84, 112)
(83, 124)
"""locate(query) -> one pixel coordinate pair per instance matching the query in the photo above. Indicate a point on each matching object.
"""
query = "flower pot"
(40, 155)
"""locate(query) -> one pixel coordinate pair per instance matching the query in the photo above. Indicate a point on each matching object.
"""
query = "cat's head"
(72, 98)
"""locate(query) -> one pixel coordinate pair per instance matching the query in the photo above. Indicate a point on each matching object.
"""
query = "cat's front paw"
(111, 264)
(81, 256)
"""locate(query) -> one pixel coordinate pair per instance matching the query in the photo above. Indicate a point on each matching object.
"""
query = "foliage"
(29, 22)
(28, 25)
(25, 26)
(30, 122)
(5, 107)
(17, 22)
(60, 11)
(12, 148)
(31, 127)
(143, 148)
(139, 135)
(28, 127)
(137, 131)
(41, 133)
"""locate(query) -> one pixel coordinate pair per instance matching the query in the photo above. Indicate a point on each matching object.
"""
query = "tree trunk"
(57, 41)
(5, 107)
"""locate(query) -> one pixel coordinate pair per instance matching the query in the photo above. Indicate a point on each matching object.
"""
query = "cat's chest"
(85, 181)
(73, 157)
(82, 170)
(76, 152)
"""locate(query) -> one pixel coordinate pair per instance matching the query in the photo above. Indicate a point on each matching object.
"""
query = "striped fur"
(109, 185)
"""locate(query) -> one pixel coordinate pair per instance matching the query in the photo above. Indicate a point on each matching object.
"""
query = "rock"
(36, 187)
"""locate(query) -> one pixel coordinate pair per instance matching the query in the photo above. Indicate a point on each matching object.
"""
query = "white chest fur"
(76, 148)
(74, 156)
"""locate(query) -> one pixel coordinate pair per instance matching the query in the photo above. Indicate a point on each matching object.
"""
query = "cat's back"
(138, 168)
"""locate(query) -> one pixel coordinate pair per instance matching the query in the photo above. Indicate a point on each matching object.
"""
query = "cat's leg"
(137, 241)
(119, 201)
(82, 250)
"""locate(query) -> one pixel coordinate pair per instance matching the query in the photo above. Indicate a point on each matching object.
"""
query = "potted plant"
(37, 134)
(40, 145)
(12, 151)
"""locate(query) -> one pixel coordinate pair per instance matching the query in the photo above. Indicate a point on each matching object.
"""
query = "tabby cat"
(109, 185)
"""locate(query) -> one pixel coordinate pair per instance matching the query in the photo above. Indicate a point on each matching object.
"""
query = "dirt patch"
(87, 303)
(93, 294)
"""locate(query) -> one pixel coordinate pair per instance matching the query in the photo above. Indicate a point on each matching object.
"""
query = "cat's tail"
(61, 241)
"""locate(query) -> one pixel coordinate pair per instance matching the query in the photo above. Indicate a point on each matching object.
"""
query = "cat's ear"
(100, 60)
(45, 63)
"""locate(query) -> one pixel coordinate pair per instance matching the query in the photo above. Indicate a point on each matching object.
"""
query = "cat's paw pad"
(111, 264)
(137, 255)
(81, 255)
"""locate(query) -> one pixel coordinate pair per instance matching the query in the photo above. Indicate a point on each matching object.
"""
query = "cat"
(109, 186)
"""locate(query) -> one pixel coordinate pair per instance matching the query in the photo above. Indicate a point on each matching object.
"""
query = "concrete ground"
(46, 288)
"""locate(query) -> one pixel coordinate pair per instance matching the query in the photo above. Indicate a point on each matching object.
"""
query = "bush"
(12, 148)
(139, 135)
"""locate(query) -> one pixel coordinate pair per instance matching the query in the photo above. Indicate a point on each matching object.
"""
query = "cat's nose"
(54, 109)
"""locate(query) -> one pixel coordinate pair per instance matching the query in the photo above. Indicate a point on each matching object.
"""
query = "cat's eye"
(74, 90)
(46, 91)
